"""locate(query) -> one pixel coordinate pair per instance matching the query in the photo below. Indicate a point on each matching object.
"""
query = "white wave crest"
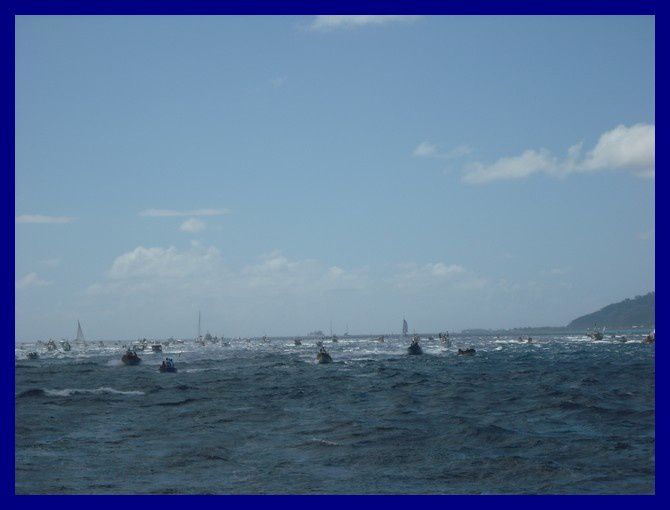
(67, 392)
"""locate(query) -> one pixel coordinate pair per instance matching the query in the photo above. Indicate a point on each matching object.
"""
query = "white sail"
(405, 329)
(80, 333)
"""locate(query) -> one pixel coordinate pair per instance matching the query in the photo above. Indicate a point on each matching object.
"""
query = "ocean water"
(561, 415)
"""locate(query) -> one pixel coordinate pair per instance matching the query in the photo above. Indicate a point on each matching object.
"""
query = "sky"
(279, 173)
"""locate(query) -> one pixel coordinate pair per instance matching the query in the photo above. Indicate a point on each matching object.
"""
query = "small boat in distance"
(167, 366)
(297, 341)
(444, 338)
(32, 355)
(414, 348)
(131, 358)
(52, 346)
(323, 357)
(157, 348)
(466, 352)
(597, 335)
(651, 338)
(65, 345)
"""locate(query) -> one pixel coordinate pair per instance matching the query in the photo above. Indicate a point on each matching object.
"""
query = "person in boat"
(168, 365)
(414, 348)
(651, 338)
(323, 357)
(131, 358)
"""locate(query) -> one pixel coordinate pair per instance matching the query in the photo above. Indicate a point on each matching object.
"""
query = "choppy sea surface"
(561, 415)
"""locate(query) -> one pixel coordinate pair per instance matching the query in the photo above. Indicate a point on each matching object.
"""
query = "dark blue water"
(564, 415)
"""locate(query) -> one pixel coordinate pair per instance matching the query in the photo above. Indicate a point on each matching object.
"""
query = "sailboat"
(200, 340)
(405, 329)
(80, 334)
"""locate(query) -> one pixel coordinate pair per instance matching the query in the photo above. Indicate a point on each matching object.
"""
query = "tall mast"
(199, 332)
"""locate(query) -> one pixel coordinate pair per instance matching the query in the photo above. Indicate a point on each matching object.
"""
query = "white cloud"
(31, 280)
(168, 213)
(412, 276)
(630, 148)
(192, 225)
(425, 150)
(333, 22)
(278, 81)
(164, 263)
(41, 218)
(163, 272)
(441, 270)
(429, 150)
(199, 270)
(516, 167)
(274, 271)
(459, 151)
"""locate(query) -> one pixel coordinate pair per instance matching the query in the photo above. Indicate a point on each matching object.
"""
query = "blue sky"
(278, 173)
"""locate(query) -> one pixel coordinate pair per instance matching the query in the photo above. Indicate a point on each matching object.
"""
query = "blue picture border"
(102, 7)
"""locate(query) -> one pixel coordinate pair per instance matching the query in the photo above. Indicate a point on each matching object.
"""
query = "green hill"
(639, 311)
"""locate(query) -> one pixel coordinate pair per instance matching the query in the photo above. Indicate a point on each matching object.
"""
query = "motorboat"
(131, 358)
(323, 357)
(167, 366)
(415, 348)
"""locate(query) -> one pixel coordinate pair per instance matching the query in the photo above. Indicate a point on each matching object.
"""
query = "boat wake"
(68, 392)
